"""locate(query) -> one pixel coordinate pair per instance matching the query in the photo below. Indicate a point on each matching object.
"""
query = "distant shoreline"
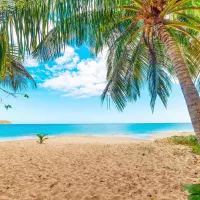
(2, 122)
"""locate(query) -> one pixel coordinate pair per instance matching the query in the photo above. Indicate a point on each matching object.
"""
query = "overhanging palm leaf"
(16, 77)
(159, 84)
(116, 27)
(13, 75)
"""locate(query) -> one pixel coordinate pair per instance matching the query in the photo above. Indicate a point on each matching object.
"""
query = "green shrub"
(196, 149)
(42, 138)
(190, 140)
(194, 191)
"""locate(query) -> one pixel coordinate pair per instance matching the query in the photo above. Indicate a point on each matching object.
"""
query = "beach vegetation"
(194, 191)
(41, 138)
(190, 141)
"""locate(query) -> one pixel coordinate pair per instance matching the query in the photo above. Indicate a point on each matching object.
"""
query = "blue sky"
(69, 89)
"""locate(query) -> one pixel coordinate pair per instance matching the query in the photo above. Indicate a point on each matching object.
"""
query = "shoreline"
(151, 137)
(81, 139)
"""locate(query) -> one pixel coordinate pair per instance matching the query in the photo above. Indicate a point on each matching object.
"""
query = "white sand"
(95, 168)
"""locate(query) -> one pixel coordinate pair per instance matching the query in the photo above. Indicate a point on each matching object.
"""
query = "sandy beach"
(95, 168)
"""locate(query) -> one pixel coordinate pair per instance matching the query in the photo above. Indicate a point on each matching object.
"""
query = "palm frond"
(16, 77)
(159, 84)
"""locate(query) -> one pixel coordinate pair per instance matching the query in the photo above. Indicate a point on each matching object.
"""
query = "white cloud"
(30, 62)
(68, 61)
(51, 69)
(89, 79)
(69, 56)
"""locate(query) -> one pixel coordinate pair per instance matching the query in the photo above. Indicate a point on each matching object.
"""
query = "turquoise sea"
(140, 130)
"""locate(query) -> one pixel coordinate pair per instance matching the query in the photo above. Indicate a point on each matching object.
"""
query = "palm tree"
(167, 32)
(150, 42)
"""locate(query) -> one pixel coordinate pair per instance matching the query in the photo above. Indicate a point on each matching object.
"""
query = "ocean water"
(140, 130)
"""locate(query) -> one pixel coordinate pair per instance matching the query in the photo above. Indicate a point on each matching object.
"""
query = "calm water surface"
(26, 131)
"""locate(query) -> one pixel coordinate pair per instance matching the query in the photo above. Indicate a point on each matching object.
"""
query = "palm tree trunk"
(188, 88)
